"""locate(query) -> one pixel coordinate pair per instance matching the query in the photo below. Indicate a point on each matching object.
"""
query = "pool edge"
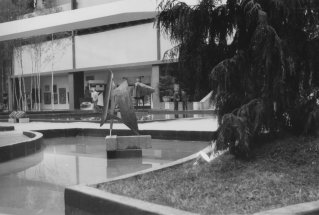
(23, 148)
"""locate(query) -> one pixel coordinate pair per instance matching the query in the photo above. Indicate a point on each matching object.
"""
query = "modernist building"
(119, 35)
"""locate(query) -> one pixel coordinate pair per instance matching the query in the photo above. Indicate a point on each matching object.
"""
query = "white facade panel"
(45, 57)
(120, 46)
(106, 14)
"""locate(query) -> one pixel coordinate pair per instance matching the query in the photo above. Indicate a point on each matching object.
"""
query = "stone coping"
(32, 144)
(184, 124)
(94, 201)
(308, 208)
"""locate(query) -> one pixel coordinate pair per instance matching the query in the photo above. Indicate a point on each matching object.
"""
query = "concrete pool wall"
(6, 128)
(155, 134)
(11, 150)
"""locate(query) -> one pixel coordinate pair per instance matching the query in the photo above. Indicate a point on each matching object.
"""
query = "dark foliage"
(268, 79)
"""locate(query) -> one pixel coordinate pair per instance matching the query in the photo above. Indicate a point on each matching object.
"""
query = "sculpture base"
(129, 153)
(127, 146)
(115, 142)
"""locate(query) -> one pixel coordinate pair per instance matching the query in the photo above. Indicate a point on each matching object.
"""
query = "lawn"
(284, 172)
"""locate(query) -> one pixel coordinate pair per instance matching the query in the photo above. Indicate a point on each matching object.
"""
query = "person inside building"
(176, 99)
(87, 96)
(136, 93)
(100, 100)
(28, 101)
(184, 98)
(5, 101)
(95, 98)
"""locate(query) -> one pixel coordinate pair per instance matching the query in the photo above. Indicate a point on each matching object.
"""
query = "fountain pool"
(35, 184)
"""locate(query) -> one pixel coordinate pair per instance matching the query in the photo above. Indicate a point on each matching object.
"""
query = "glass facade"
(89, 3)
(69, 4)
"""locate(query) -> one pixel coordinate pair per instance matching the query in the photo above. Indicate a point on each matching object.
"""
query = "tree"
(194, 31)
(268, 80)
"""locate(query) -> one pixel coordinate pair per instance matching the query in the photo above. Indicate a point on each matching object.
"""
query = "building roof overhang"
(101, 15)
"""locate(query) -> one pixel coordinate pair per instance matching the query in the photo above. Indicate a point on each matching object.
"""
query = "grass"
(284, 172)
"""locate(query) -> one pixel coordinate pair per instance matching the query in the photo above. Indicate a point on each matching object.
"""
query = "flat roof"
(105, 14)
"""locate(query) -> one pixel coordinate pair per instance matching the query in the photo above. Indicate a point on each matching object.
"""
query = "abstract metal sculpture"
(120, 97)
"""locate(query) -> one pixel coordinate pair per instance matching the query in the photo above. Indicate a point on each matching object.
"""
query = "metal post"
(52, 60)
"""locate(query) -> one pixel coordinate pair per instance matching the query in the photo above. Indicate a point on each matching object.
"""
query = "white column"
(154, 83)
(52, 93)
(10, 94)
(71, 91)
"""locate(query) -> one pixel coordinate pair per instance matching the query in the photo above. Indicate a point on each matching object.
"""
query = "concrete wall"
(120, 46)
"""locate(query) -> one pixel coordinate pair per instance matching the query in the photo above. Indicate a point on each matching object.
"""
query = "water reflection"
(35, 184)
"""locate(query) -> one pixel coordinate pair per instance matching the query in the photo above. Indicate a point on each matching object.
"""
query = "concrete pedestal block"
(111, 143)
(127, 146)
(115, 142)
(128, 153)
(24, 120)
(134, 142)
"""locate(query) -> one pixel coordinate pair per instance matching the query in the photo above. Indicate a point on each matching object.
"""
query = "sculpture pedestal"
(129, 153)
(127, 146)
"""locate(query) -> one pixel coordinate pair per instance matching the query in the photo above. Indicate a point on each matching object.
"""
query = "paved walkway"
(191, 124)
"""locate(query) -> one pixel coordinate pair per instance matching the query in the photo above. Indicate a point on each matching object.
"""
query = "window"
(55, 94)
(47, 95)
(47, 98)
(62, 95)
